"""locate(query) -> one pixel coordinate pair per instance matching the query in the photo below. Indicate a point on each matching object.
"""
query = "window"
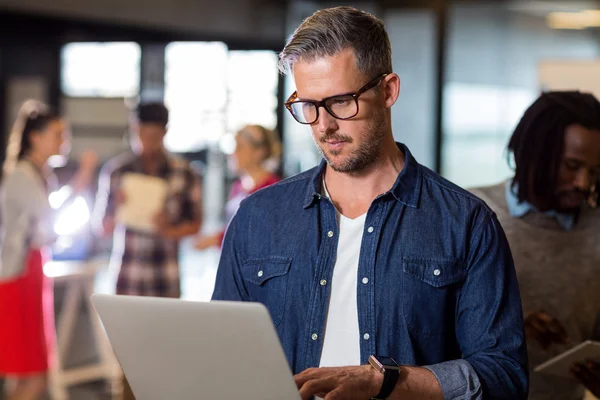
(195, 92)
(252, 87)
(478, 122)
(101, 69)
(211, 91)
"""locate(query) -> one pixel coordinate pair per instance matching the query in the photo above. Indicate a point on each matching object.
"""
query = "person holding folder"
(146, 254)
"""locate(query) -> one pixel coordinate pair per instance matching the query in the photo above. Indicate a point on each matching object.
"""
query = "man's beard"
(362, 157)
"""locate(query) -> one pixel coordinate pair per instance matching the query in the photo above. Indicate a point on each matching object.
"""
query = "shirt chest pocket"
(429, 293)
(267, 282)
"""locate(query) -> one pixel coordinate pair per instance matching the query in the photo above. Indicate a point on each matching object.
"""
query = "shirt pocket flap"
(259, 271)
(437, 273)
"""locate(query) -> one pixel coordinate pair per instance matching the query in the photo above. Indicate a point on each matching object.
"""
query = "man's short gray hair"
(332, 30)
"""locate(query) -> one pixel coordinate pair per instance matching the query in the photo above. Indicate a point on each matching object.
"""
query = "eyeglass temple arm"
(374, 83)
(291, 99)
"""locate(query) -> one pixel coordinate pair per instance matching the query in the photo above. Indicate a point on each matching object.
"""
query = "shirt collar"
(406, 189)
(163, 169)
(520, 209)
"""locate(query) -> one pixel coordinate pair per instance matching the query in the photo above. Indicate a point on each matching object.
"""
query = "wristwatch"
(391, 372)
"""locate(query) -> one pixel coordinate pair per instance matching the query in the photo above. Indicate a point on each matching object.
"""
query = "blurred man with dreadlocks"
(548, 212)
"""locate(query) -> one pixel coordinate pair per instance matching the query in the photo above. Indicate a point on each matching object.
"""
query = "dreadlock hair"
(538, 140)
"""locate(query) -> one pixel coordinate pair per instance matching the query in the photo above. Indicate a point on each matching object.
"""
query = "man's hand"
(108, 222)
(204, 242)
(88, 161)
(108, 226)
(588, 374)
(120, 198)
(163, 227)
(339, 383)
(545, 329)
(167, 230)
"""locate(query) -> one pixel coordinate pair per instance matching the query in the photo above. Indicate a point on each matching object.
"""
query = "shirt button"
(370, 230)
(366, 336)
(437, 272)
(314, 336)
(330, 233)
(323, 282)
(260, 273)
(365, 280)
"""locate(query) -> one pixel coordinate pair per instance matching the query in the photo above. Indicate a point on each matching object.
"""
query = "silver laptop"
(175, 349)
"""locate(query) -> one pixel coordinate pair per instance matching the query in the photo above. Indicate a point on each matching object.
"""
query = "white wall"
(97, 123)
(570, 75)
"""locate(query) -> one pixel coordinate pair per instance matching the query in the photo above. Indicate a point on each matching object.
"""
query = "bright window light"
(72, 217)
(101, 69)
(252, 79)
(196, 94)
(212, 92)
(57, 198)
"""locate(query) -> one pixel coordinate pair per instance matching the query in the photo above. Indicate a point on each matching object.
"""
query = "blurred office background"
(468, 69)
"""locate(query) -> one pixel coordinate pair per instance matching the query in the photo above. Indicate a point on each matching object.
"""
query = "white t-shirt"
(341, 344)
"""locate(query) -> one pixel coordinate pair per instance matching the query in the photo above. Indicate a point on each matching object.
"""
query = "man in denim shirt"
(371, 255)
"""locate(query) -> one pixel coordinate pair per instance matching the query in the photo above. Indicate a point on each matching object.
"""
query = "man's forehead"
(578, 137)
(322, 66)
(326, 76)
(582, 143)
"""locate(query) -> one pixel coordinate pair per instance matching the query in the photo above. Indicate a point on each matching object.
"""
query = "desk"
(77, 280)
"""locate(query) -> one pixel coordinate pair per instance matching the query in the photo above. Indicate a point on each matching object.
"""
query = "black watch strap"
(390, 378)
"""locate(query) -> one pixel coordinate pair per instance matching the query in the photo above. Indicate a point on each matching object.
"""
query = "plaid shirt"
(149, 262)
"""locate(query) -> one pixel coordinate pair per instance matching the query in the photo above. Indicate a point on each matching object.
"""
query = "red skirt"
(27, 332)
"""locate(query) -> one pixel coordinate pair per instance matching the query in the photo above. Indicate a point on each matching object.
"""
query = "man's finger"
(539, 325)
(337, 394)
(544, 317)
(553, 325)
(308, 374)
(558, 330)
(546, 331)
(582, 373)
(546, 322)
(594, 368)
(540, 338)
(319, 386)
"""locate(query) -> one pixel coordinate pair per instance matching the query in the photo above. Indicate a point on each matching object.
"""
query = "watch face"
(387, 361)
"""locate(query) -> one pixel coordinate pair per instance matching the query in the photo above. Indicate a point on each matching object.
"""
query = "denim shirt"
(436, 284)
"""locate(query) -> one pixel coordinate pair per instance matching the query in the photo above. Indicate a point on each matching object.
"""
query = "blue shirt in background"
(520, 209)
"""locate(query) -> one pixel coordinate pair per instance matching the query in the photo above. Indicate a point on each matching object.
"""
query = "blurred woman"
(255, 159)
(27, 334)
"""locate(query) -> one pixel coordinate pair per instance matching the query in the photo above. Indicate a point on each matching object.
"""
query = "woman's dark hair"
(35, 122)
(33, 116)
(538, 140)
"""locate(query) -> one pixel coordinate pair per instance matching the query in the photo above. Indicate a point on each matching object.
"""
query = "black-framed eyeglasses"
(340, 106)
